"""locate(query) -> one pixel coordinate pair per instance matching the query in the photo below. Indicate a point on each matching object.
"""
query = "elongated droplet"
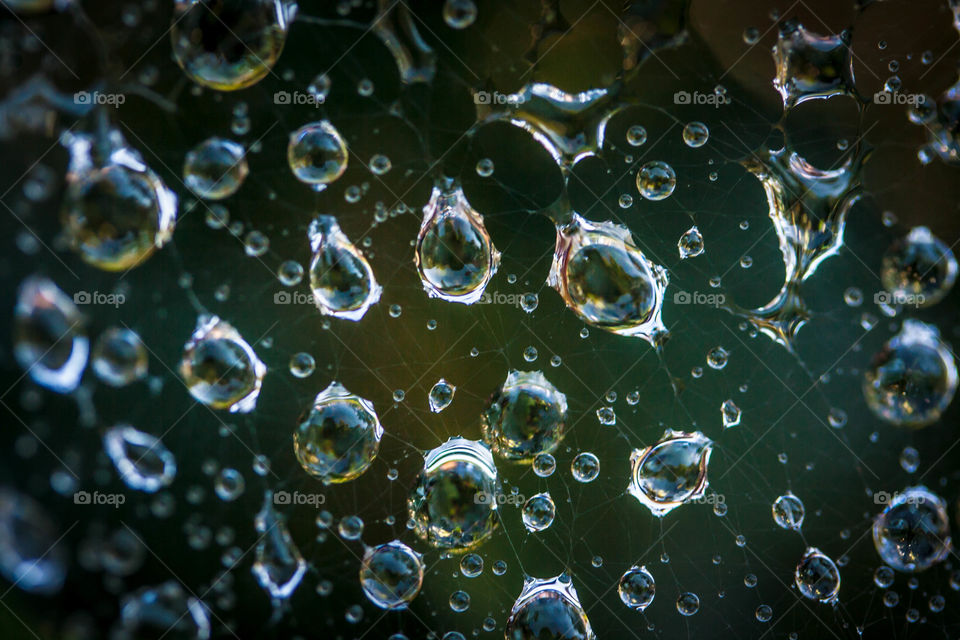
(453, 504)
(229, 44)
(278, 565)
(32, 556)
(548, 608)
(220, 368)
(341, 279)
(116, 210)
(690, 244)
(607, 281)
(339, 437)
(671, 472)
(396, 27)
(49, 340)
(142, 460)
(730, 414)
(441, 395)
(454, 256)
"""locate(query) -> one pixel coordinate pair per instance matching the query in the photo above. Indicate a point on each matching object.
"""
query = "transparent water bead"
(695, 134)
(441, 395)
(220, 368)
(116, 210)
(811, 66)
(607, 281)
(671, 472)
(215, 168)
(459, 14)
(788, 512)
(585, 467)
(817, 576)
(471, 565)
(142, 460)
(548, 608)
(918, 270)
(278, 565)
(913, 532)
(317, 154)
(338, 438)
(166, 610)
(391, 575)
(913, 378)
(730, 414)
(119, 357)
(637, 588)
(341, 279)
(454, 255)
(525, 417)
(453, 504)
(538, 512)
(690, 244)
(30, 556)
(229, 44)
(688, 604)
(656, 180)
(49, 340)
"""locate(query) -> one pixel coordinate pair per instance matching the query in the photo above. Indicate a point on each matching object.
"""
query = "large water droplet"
(690, 244)
(220, 368)
(49, 341)
(391, 575)
(913, 378)
(607, 281)
(441, 395)
(119, 357)
(453, 504)
(142, 460)
(30, 556)
(164, 611)
(912, 533)
(215, 168)
(339, 437)
(656, 180)
(341, 279)
(548, 608)
(811, 66)
(278, 565)
(817, 576)
(918, 270)
(671, 472)
(637, 588)
(317, 154)
(538, 512)
(525, 417)
(788, 511)
(454, 255)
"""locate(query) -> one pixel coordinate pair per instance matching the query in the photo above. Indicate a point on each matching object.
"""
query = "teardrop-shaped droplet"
(229, 44)
(116, 210)
(453, 504)
(49, 340)
(548, 608)
(142, 460)
(525, 417)
(690, 244)
(671, 472)
(278, 565)
(341, 279)
(219, 367)
(441, 395)
(730, 414)
(32, 556)
(391, 575)
(339, 437)
(607, 281)
(454, 255)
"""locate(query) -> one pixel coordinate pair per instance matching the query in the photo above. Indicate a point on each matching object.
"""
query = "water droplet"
(764, 613)
(459, 14)
(912, 379)
(811, 66)
(548, 608)
(530, 353)
(220, 368)
(142, 460)
(471, 565)
(788, 512)
(912, 533)
(730, 414)
(278, 565)
(717, 358)
(30, 558)
(688, 604)
(441, 395)
(606, 416)
(453, 504)
(637, 588)
(918, 270)
(883, 577)
(544, 464)
(671, 472)
(585, 467)
(302, 364)
(380, 164)
(485, 167)
(538, 512)
(607, 281)
(695, 134)
(338, 438)
(215, 168)
(656, 180)
(529, 302)
(341, 279)
(459, 601)
(690, 244)
(164, 610)
(454, 254)
(909, 459)
(226, 47)
(391, 575)
(320, 87)
(317, 153)
(526, 416)
(817, 576)
(119, 357)
(636, 135)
